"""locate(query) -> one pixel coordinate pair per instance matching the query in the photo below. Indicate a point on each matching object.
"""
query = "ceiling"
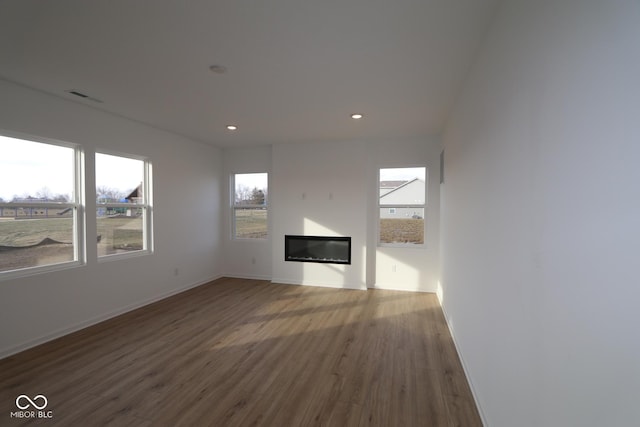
(296, 69)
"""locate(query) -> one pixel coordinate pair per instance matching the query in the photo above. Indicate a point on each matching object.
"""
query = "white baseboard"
(95, 320)
(395, 287)
(247, 276)
(318, 284)
(462, 361)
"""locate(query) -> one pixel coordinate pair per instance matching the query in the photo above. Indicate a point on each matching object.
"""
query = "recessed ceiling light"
(356, 116)
(218, 69)
(232, 127)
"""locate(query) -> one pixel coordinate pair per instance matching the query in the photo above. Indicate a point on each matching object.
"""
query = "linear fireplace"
(326, 249)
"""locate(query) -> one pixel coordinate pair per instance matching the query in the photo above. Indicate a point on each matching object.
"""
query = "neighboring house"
(403, 193)
(25, 209)
(387, 186)
(134, 197)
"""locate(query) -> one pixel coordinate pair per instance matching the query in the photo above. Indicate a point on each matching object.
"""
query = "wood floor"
(244, 352)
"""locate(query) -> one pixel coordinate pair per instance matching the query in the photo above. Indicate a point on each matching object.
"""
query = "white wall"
(331, 189)
(187, 190)
(541, 216)
(319, 189)
(247, 258)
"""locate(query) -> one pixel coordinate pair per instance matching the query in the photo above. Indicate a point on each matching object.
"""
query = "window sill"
(41, 269)
(121, 256)
(401, 246)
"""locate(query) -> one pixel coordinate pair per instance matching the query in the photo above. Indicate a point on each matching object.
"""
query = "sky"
(27, 167)
(120, 173)
(401, 174)
(259, 180)
(252, 180)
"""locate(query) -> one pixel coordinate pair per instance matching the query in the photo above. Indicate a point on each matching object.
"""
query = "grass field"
(25, 232)
(117, 232)
(120, 234)
(251, 223)
(407, 230)
(20, 239)
(124, 234)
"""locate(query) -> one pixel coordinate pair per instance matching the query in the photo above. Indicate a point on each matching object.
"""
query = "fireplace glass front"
(326, 249)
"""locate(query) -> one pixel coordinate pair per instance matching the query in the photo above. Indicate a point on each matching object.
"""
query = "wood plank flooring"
(241, 352)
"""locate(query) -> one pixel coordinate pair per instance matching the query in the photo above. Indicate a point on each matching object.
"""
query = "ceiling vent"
(82, 95)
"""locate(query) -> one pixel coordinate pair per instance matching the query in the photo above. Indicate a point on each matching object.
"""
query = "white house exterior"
(409, 193)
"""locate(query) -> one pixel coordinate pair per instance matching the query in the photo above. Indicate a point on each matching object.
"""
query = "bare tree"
(243, 193)
(257, 196)
(109, 193)
(44, 193)
(62, 198)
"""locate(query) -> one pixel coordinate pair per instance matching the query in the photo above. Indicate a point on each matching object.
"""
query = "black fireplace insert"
(326, 249)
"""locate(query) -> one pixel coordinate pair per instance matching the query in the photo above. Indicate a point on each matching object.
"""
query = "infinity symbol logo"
(33, 403)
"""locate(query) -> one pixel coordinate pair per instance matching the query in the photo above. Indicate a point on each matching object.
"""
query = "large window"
(123, 205)
(250, 205)
(402, 206)
(41, 218)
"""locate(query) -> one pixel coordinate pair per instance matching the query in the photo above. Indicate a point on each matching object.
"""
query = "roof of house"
(404, 184)
(392, 184)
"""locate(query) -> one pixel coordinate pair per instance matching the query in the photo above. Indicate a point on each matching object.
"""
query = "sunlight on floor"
(273, 321)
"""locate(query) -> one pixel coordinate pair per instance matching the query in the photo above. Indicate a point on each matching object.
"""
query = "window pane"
(250, 223)
(402, 186)
(250, 189)
(31, 237)
(120, 230)
(119, 179)
(34, 174)
(406, 225)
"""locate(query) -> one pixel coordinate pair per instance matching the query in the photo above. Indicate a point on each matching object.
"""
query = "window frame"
(397, 206)
(235, 207)
(146, 206)
(77, 204)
